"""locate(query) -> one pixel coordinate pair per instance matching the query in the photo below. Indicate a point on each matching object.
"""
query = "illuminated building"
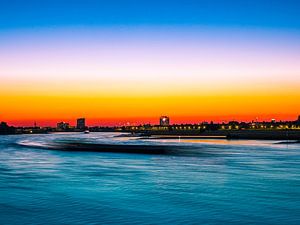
(164, 121)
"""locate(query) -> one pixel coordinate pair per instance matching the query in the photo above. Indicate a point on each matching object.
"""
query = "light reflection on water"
(219, 182)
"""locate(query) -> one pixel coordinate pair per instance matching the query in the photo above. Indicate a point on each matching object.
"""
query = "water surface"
(215, 182)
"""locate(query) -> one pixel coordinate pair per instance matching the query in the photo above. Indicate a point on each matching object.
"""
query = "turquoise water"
(217, 182)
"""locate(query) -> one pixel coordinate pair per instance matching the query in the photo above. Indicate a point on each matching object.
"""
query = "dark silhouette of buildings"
(63, 126)
(236, 129)
(81, 124)
(5, 129)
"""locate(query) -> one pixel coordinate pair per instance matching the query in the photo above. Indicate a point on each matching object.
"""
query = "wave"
(77, 146)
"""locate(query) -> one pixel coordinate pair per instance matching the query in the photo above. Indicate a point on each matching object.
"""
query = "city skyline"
(120, 61)
(161, 121)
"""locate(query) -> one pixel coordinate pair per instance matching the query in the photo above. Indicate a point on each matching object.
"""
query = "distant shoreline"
(233, 134)
(283, 135)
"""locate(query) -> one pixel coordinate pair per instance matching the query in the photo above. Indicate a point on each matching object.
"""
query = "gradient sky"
(119, 61)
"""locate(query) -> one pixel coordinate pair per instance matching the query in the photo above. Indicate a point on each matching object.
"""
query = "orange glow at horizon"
(118, 110)
(135, 75)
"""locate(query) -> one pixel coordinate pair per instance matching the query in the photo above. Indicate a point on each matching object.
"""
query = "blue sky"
(272, 14)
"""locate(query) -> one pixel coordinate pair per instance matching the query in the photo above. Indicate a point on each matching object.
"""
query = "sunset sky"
(114, 62)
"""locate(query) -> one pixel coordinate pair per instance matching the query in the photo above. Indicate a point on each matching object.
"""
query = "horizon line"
(136, 121)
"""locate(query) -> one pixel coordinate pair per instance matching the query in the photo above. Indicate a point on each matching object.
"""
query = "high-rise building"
(164, 121)
(81, 124)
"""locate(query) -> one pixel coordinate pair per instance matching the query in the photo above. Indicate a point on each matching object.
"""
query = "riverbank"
(253, 134)
(228, 134)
